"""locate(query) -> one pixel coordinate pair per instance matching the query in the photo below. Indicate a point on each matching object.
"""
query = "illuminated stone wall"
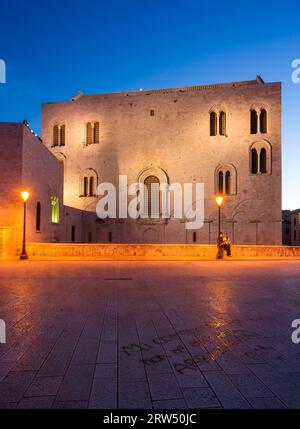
(153, 251)
(11, 147)
(174, 141)
(42, 174)
(26, 163)
(8, 246)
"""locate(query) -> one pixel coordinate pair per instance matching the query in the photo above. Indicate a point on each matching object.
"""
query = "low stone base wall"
(152, 251)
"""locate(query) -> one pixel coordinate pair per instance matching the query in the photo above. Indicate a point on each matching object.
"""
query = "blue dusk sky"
(52, 49)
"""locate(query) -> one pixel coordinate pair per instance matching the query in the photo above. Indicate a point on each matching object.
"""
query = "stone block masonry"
(149, 252)
(166, 134)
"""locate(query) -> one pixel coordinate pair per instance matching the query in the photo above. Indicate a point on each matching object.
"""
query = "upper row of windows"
(92, 134)
(258, 121)
(218, 123)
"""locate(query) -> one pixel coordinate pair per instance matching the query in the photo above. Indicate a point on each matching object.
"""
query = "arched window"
(222, 124)
(253, 121)
(73, 233)
(261, 157)
(88, 183)
(96, 132)
(254, 161)
(59, 135)
(54, 210)
(213, 123)
(91, 187)
(263, 161)
(227, 183)
(89, 133)
(92, 133)
(85, 186)
(62, 135)
(221, 182)
(263, 121)
(226, 180)
(38, 217)
(152, 196)
(55, 135)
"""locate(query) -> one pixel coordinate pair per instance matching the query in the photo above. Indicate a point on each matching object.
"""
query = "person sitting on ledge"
(227, 244)
(220, 243)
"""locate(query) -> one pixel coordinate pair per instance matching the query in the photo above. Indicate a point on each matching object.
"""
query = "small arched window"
(88, 183)
(222, 124)
(96, 132)
(73, 233)
(263, 121)
(221, 182)
(227, 183)
(91, 186)
(62, 135)
(213, 123)
(59, 135)
(253, 121)
(85, 186)
(254, 161)
(54, 210)
(38, 217)
(152, 196)
(92, 133)
(55, 135)
(89, 133)
(261, 157)
(226, 180)
(263, 161)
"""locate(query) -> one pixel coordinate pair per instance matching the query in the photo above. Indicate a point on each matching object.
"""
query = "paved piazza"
(209, 334)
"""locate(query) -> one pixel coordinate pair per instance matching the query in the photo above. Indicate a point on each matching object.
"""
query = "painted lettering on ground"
(225, 341)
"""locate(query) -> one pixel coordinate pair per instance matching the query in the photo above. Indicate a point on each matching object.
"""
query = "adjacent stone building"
(286, 227)
(227, 136)
(25, 163)
(295, 227)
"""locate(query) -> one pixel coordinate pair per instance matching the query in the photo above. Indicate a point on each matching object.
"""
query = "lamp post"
(219, 200)
(25, 196)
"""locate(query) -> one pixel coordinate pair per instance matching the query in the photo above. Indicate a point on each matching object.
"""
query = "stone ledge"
(152, 251)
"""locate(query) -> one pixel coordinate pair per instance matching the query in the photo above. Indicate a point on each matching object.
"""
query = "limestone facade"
(227, 136)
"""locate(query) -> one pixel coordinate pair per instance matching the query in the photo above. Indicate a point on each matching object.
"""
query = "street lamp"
(25, 196)
(219, 200)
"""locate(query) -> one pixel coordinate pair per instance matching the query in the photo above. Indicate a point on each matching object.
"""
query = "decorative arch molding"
(153, 171)
(58, 130)
(224, 169)
(218, 120)
(259, 118)
(216, 108)
(259, 107)
(88, 182)
(160, 174)
(258, 146)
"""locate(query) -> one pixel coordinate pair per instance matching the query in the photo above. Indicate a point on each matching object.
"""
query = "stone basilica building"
(227, 136)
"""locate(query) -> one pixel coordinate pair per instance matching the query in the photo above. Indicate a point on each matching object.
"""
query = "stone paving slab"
(205, 334)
